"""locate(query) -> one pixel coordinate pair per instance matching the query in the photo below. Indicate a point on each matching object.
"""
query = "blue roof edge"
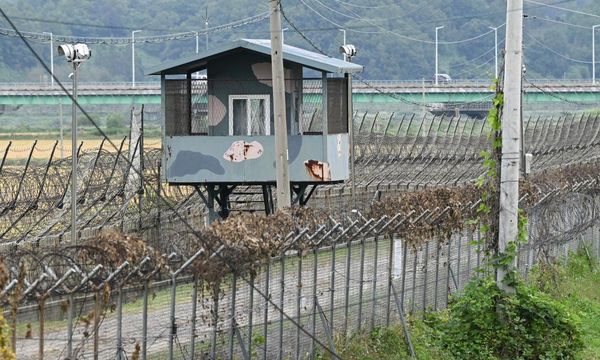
(301, 56)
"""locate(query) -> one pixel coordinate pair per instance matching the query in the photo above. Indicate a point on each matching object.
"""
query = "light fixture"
(349, 50)
(75, 52)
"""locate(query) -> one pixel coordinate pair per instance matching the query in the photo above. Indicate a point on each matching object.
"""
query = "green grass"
(575, 283)
(388, 344)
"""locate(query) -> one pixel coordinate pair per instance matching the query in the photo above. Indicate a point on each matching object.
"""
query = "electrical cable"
(553, 94)
(128, 40)
(557, 53)
(562, 8)
(387, 31)
(368, 84)
(466, 62)
(181, 218)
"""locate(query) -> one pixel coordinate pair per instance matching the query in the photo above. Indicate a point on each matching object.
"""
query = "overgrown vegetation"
(6, 352)
(486, 323)
(554, 315)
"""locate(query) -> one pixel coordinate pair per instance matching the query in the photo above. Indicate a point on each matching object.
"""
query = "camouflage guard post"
(218, 128)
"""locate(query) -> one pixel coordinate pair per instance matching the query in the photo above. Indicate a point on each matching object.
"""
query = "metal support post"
(351, 139)
(172, 323)
(120, 351)
(70, 315)
(74, 158)
(232, 315)
(193, 317)
(145, 320)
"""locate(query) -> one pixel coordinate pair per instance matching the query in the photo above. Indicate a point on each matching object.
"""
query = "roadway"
(369, 91)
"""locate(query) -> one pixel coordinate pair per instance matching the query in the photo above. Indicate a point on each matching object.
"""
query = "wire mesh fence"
(345, 274)
(351, 285)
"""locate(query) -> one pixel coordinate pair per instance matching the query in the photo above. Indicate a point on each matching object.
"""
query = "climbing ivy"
(488, 210)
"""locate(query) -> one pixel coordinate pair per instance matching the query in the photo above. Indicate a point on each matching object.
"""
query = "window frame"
(267, 112)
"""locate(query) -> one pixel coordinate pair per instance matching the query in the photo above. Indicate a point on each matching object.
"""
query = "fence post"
(250, 314)
(70, 327)
(298, 304)
(281, 304)
(97, 311)
(172, 323)
(403, 289)
(314, 303)
(374, 293)
(361, 281)
(145, 320)
(448, 270)
(458, 265)
(120, 350)
(414, 282)
(389, 279)
(232, 321)
(42, 307)
(332, 286)
(193, 319)
(425, 276)
(437, 275)
(213, 346)
(347, 288)
(266, 309)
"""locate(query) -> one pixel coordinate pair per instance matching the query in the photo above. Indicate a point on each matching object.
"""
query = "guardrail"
(375, 83)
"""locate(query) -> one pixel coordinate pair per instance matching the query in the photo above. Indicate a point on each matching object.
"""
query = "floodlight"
(76, 52)
(67, 50)
(349, 50)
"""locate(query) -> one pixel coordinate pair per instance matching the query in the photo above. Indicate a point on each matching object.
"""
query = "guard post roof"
(308, 59)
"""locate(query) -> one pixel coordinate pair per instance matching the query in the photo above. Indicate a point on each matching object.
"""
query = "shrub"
(5, 349)
(485, 323)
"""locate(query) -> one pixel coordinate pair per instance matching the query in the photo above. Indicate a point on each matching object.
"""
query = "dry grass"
(19, 149)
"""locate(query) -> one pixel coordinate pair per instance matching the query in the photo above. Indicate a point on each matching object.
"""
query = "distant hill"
(394, 37)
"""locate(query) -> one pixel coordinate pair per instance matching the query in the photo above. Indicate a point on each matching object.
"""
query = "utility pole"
(206, 27)
(511, 135)
(51, 57)
(495, 51)
(344, 41)
(133, 57)
(594, 53)
(284, 199)
(436, 53)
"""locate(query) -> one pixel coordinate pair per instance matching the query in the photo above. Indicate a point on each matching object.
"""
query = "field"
(20, 149)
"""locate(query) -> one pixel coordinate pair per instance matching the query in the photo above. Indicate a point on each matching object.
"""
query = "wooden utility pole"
(511, 134)
(281, 144)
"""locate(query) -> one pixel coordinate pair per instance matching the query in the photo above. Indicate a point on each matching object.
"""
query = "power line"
(70, 23)
(557, 53)
(469, 61)
(563, 9)
(367, 83)
(387, 31)
(185, 222)
(553, 94)
(562, 23)
(365, 6)
(36, 36)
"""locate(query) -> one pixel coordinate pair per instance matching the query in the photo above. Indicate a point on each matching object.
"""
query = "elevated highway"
(370, 91)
